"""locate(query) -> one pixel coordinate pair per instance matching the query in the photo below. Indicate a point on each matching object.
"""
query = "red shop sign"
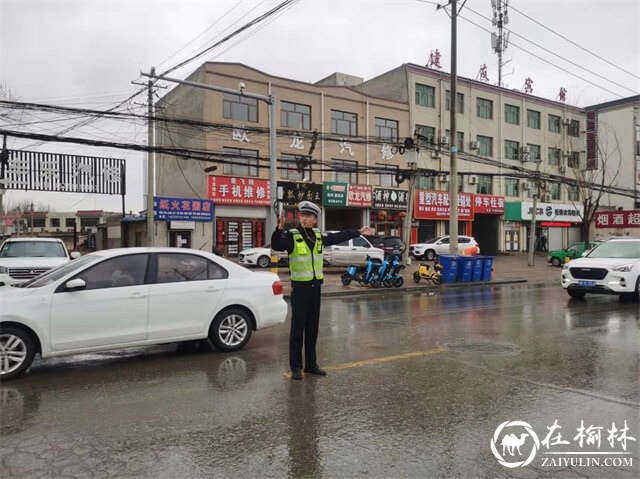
(618, 219)
(231, 190)
(359, 195)
(488, 204)
(434, 205)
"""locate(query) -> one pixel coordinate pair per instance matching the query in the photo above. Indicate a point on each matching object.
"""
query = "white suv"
(612, 267)
(353, 251)
(437, 246)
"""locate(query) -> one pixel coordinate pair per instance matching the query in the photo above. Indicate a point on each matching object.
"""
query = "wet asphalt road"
(419, 385)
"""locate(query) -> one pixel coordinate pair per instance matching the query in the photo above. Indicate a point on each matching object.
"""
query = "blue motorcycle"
(362, 274)
(393, 278)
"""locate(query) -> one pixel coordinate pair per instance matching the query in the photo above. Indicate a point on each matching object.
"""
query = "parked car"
(392, 245)
(354, 251)
(613, 267)
(127, 297)
(560, 257)
(261, 256)
(26, 257)
(440, 245)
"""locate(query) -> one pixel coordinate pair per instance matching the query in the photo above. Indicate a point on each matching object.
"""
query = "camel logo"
(513, 444)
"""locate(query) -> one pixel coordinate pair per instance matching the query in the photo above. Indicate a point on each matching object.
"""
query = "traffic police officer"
(305, 245)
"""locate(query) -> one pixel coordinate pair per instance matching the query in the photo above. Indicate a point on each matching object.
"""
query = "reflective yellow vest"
(304, 264)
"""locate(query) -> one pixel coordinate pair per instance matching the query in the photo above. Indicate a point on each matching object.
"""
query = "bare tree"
(593, 183)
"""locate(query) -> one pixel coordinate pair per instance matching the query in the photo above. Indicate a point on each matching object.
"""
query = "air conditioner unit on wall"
(546, 197)
(525, 157)
(473, 179)
(568, 153)
(444, 140)
(563, 169)
(566, 121)
(443, 178)
(525, 185)
(434, 154)
(474, 145)
(524, 150)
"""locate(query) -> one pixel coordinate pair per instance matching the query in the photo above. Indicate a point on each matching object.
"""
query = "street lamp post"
(536, 193)
(453, 147)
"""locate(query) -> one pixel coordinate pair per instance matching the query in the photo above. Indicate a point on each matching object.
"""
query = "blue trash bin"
(449, 264)
(478, 268)
(487, 267)
(465, 268)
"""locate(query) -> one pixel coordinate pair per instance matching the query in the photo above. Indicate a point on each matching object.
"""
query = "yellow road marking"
(386, 359)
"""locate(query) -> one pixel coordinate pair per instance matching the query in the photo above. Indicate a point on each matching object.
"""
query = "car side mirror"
(75, 254)
(75, 284)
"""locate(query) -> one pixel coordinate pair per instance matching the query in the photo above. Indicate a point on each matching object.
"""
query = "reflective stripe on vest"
(305, 264)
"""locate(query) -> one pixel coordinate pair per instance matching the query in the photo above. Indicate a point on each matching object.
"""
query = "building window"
(385, 175)
(574, 160)
(343, 123)
(426, 183)
(426, 136)
(69, 222)
(512, 186)
(554, 123)
(88, 222)
(554, 189)
(511, 149)
(36, 222)
(484, 108)
(55, 222)
(574, 128)
(240, 108)
(534, 152)
(485, 145)
(289, 167)
(573, 193)
(485, 185)
(459, 103)
(512, 114)
(295, 116)
(386, 130)
(459, 139)
(553, 155)
(239, 162)
(425, 95)
(533, 119)
(344, 171)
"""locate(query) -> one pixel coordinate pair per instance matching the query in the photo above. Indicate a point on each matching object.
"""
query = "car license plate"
(586, 284)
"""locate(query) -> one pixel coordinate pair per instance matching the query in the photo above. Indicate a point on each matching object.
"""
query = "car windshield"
(61, 271)
(616, 249)
(434, 240)
(32, 249)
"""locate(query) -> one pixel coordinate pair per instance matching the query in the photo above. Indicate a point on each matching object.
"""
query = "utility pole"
(536, 193)
(272, 220)
(151, 175)
(412, 162)
(453, 147)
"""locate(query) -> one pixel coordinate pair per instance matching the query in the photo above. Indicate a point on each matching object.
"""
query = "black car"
(390, 244)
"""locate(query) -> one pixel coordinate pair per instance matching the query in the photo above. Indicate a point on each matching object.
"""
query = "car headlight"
(565, 266)
(251, 254)
(625, 268)
(4, 270)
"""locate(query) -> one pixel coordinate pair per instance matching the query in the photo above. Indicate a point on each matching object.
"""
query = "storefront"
(557, 225)
(184, 222)
(431, 211)
(242, 205)
(487, 211)
(345, 205)
(389, 211)
(617, 223)
(291, 193)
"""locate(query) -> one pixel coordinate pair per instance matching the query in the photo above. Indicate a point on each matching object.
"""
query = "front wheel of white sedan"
(17, 351)
(231, 330)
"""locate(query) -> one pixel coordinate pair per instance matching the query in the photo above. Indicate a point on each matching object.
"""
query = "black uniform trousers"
(305, 316)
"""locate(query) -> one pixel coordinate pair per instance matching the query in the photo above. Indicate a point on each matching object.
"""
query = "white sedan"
(260, 256)
(128, 297)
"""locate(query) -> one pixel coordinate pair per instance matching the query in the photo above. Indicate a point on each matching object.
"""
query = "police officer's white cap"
(309, 208)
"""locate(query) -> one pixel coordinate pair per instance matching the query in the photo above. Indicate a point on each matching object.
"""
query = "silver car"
(440, 245)
(353, 251)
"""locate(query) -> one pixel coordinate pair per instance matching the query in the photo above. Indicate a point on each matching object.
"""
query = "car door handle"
(211, 288)
(138, 295)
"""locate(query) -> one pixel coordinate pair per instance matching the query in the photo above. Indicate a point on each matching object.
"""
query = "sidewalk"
(507, 270)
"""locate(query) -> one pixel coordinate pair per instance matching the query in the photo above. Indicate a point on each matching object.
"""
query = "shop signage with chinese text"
(335, 194)
(295, 192)
(182, 209)
(434, 205)
(488, 205)
(618, 219)
(359, 195)
(552, 212)
(387, 198)
(231, 190)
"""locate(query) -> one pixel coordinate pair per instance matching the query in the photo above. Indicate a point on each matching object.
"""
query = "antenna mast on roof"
(500, 40)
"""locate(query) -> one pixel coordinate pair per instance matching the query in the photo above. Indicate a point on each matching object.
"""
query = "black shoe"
(315, 370)
(296, 374)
